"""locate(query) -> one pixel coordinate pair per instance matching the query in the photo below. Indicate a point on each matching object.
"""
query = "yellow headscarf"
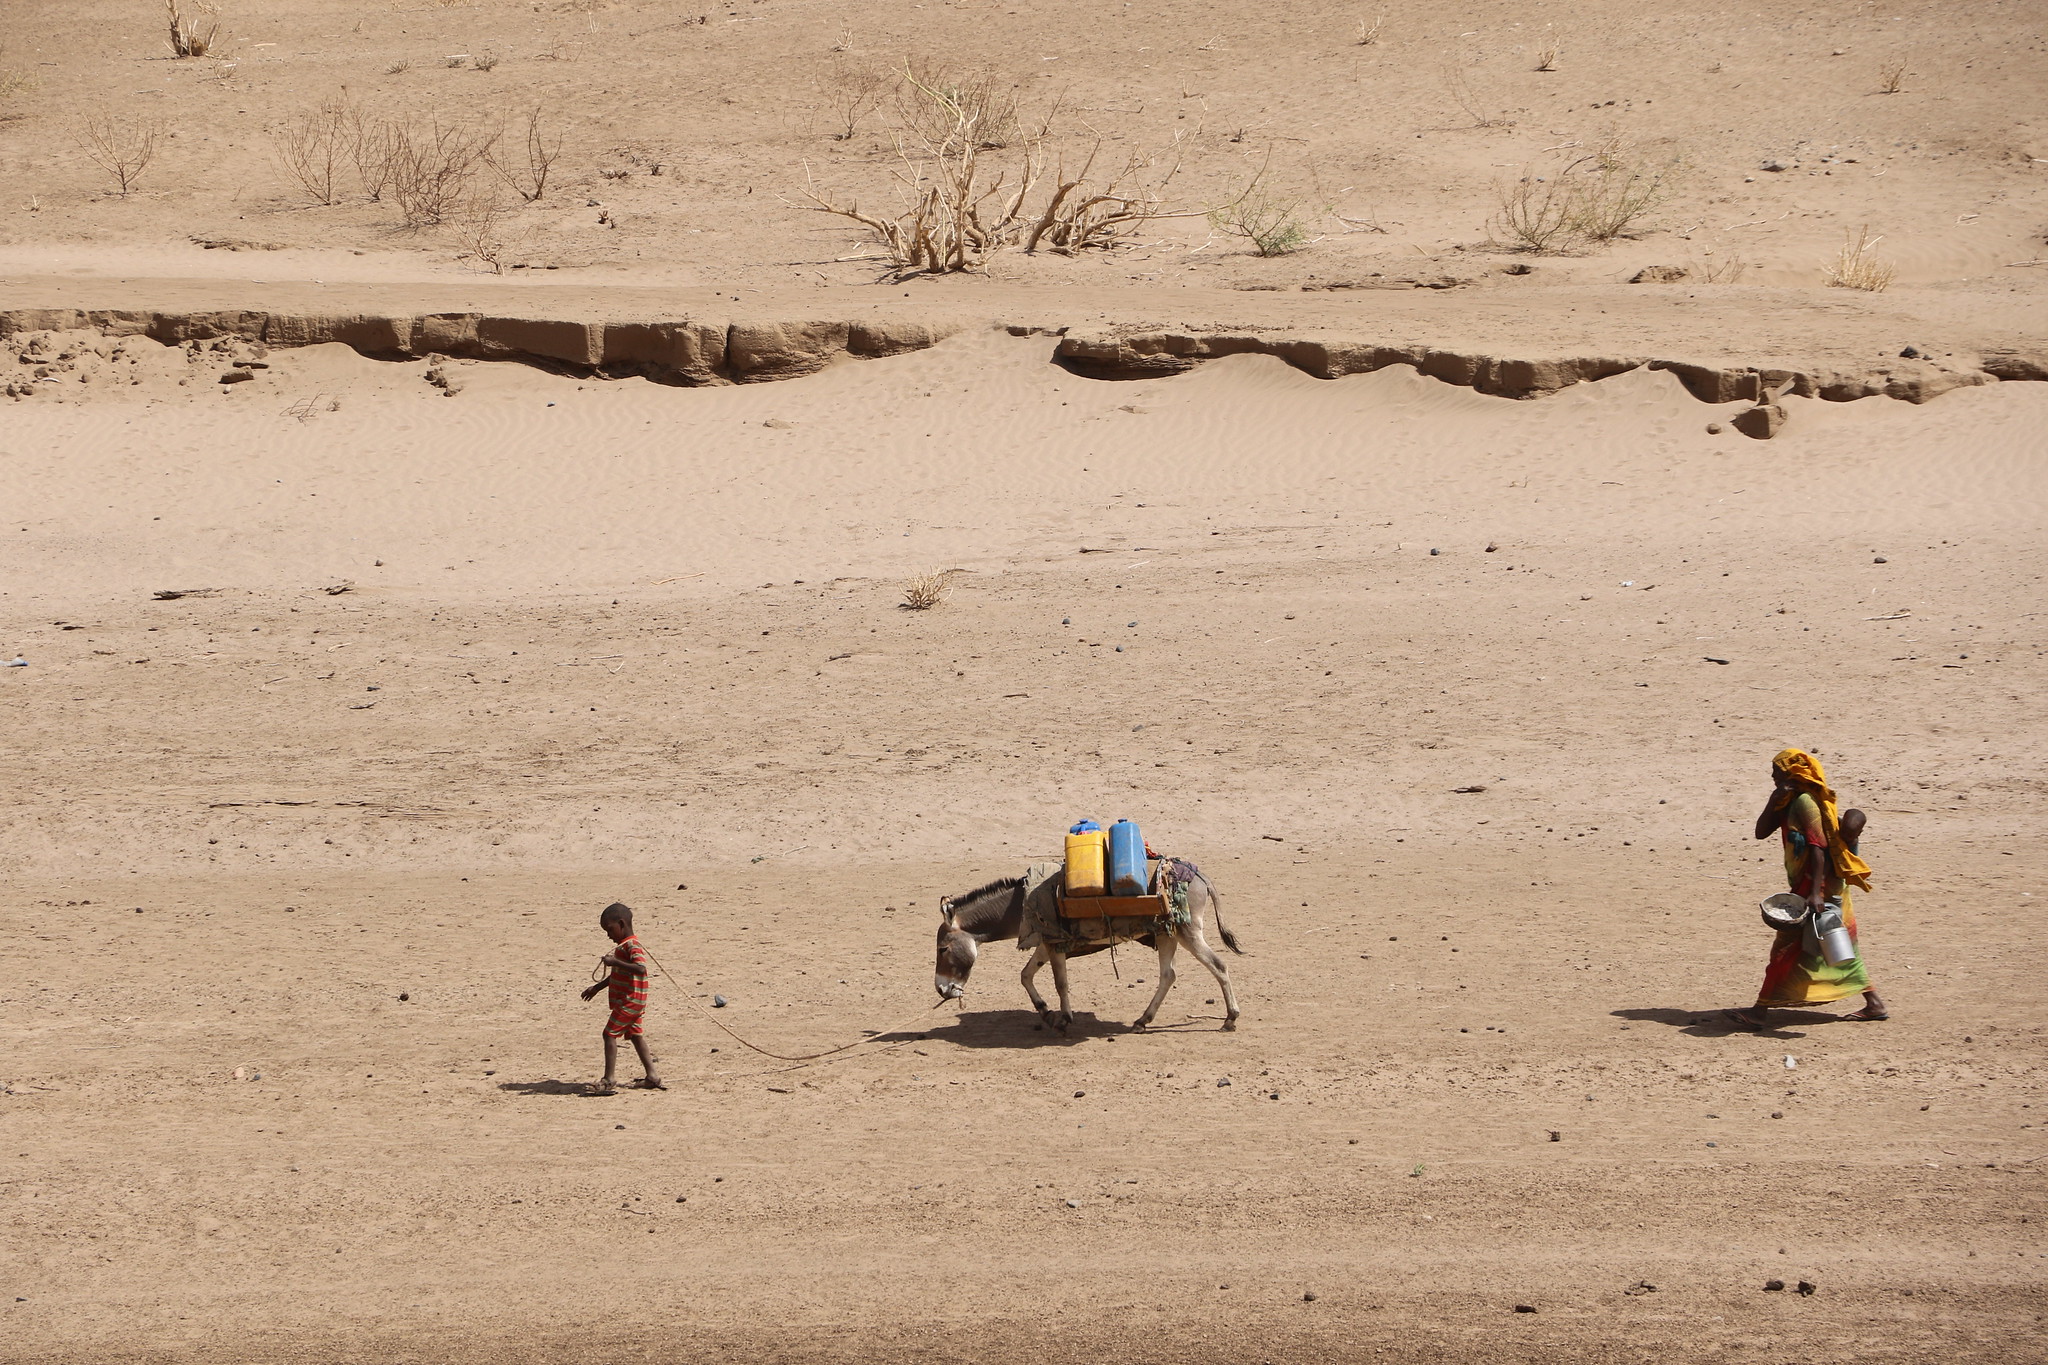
(1805, 770)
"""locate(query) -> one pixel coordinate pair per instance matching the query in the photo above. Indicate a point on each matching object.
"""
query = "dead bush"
(525, 166)
(483, 228)
(194, 36)
(1533, 213)
(373, 147)
(962, 195)
(313, 148)
(1480, 107)
(1596, 197)
(851, 92)
(486, 60)
(123, 148)
(1891, 77)
(937, 103)
(1613, 191)
(432, 166)
(1369, 29)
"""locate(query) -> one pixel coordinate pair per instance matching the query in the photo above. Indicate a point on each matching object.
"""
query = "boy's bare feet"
(598, 1088)
(649, 1083)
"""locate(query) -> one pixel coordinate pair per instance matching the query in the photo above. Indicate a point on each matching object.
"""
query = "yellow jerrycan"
(1087, 860)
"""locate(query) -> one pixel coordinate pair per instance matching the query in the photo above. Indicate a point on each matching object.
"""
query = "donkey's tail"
(1216, 902)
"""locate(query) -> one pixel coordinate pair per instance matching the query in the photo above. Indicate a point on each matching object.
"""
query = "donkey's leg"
(1031, 980)
(1199, 946)
(1065, 1018)
(1168, 946)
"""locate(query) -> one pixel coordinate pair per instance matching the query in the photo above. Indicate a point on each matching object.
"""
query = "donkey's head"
(958, 950)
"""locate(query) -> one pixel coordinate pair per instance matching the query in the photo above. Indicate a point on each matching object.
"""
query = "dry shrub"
(483, 228)
(1546, 57)
(526, 165)
(399, 67)
(193, 37)
(432, 166)
(1271, 224)
(1535, 214)
(964, 193)
(1891, 77)
(1614, 191)
(1596, 198)
(1477, 106)
(1856, 265)
(14, 82)
(373, 147)
(852, 91)
(123, 148)
(486, 60)
(936, 103)
(1728, 270)
(1369, 29)
(312, 149)
(925, 591)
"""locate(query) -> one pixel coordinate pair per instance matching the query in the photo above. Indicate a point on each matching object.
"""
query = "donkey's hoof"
(1140, 1025)
(1062, 1022)
(1230, 1024)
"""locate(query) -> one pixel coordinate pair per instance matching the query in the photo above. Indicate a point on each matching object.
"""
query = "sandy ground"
(302, 868)
(231, 852)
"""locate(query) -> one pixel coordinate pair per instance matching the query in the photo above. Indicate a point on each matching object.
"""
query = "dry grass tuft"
(193, 37)
(926, 590)
(123, 148)
(1369, 29)
(1546, 57)
(399, 67)
(1856, 265)
(485, 60)
(1891, 77)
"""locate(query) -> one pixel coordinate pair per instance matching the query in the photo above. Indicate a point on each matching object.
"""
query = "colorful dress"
(1798, 972)
(628, 991)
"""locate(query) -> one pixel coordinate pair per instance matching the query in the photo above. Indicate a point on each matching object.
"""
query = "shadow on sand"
(549, 1087)
(1019, 1029)
(1784, 1023)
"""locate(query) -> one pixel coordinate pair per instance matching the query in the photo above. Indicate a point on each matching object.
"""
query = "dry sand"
(301, 883)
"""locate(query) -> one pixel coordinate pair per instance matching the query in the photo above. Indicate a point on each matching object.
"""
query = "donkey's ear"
(946, 909)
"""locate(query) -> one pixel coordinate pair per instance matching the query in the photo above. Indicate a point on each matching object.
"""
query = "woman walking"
(1820, 866)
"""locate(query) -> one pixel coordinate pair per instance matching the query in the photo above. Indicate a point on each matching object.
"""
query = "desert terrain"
(1442, 595)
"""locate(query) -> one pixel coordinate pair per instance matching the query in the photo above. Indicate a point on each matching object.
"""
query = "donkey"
(995, 913)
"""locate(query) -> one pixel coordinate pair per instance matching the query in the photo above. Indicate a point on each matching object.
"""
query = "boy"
(628, 983)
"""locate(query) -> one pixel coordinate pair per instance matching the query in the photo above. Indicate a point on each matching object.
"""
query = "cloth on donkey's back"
(1043, 925)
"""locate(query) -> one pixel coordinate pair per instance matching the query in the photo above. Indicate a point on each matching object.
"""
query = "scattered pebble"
(1433, 550)
(402, 995)
(1073, 1203)
(1773, 1286)
(1807, 1288)
(1225, 1081)
(718, 1002)
(1525, 1308)
(1556, 1136)
(1079, 1094)
(1308, 1296)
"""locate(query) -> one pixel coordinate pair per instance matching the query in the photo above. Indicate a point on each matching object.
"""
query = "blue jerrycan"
(1126, 860)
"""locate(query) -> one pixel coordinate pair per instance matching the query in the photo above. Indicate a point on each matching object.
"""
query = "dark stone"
(1807, 1288)
(1525, 1308)
(237, 377)
(1774, 1286)
(1660, 274)
(1761, 422)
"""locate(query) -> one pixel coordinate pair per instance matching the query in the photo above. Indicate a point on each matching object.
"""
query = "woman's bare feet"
(1873, 1010)
(1753, 1017)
